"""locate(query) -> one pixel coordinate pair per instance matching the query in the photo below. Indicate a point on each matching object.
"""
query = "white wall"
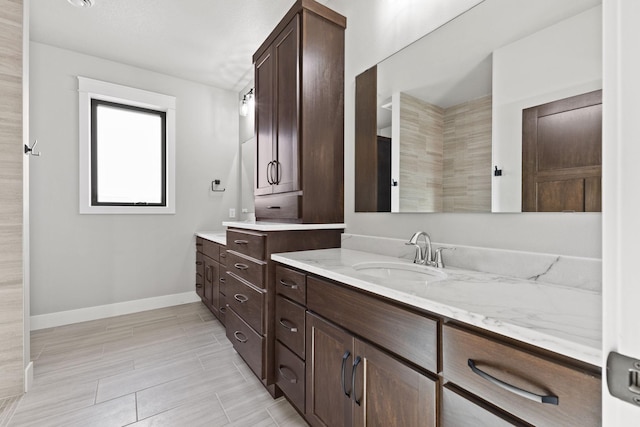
(558, 62)
(374, 31)
(80, 261)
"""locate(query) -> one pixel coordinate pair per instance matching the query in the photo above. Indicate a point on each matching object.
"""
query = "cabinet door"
(329, 360)
(264, 77)
(214, 300)
(199, 275)
(287, 74)
(389, 393)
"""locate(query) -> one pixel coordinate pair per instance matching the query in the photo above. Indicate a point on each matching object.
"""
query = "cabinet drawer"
(247, 268)
(211, 249)
(290, 325)
(408, 334)
(291, 284)
(290, 375)
(247, 301)
(245, 341)
(458, 411)
(285, 206)
(223, 255)
(577, 392)
(250, 244)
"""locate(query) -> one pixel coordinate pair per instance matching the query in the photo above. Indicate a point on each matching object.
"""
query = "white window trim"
(89, 89)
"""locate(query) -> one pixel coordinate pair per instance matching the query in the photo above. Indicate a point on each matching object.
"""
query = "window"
(127, 146)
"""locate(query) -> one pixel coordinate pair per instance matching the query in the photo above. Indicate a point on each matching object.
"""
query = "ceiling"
(206, 41)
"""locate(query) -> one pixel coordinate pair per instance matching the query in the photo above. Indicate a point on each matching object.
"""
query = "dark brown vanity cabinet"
(254, 317)
(299, 78)
(209, 272)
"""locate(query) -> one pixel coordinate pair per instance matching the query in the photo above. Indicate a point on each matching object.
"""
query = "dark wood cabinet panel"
(299, 75)
(410, 335)
(246, 242)
(199, 274)
(209, 273)
(577, 391)
(247, 301)
(460, 411)
(246, 341)
(329, 362)
(395, 395)
(290, 328)
(292, 284)
(290, 376)
(246, 268)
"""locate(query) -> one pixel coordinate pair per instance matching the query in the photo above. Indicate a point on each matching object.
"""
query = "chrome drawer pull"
(283, 323)
(288, 285)
(293, 380)
(552, 400)
(239, 334)
(198, 262)
(222, 280)
(345, 357)
(241, 266)
(241, 298)
(198, 285)
(223, 310)
(241, 242)
(353, 379)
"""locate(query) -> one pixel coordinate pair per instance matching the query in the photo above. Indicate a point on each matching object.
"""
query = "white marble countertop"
(219, 237)
(559, 319)
(277, 226)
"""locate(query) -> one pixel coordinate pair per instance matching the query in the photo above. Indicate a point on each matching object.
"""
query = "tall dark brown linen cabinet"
(299, 78)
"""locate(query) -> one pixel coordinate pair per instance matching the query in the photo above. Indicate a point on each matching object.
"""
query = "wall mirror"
(439, 124)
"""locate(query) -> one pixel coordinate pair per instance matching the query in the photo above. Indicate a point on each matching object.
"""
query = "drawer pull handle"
(239, 334)
(241, 242)
(552, 400)
(241, 298)
(198, 262)
(283, 323)
(273, 207)
(223, 255)
(345, 357)
(223, 280)
(198, 244)
(281, 369)
(353, 379)
(288, 285)
(223, 310)
(198, 285)
(241, 266)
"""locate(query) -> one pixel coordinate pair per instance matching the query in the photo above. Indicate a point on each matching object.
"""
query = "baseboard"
(50, 320)
(28, 377)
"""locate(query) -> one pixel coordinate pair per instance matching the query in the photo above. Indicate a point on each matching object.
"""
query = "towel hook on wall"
(29, 150)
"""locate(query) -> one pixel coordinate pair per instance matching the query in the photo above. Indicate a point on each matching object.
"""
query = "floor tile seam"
(223, 408)
(9, 410)
(151, 386)
(69, 378)
(240, 370)
(71, 365)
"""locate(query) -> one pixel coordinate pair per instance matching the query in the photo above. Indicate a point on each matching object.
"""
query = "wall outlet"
(232, 213)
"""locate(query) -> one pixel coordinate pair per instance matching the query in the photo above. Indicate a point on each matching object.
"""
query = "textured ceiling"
(207, 41)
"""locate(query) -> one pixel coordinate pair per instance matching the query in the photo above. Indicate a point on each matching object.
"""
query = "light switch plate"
(232, 213)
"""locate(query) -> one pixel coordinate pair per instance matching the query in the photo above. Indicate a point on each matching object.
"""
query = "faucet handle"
(438, 255)
(417, 258)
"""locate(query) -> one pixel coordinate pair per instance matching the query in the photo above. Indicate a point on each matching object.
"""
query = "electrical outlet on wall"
(232, 213)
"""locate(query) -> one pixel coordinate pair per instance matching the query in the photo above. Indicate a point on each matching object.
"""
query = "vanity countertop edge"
(219, 237)
(559, 319)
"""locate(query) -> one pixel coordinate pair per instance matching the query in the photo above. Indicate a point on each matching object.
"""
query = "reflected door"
(562, 155)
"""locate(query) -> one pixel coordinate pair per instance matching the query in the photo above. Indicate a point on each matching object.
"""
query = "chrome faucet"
(423, 256)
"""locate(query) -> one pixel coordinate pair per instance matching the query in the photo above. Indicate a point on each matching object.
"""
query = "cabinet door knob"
(552, 400)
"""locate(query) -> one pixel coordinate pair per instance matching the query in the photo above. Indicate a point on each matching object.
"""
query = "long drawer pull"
(240, 266)
(281, 369)
(353, 379)
(288, 285)
(552, 400)
(345, 357)
(239, 334)
(273, 207)
(241, 298)
(241, 242)
(283, 323)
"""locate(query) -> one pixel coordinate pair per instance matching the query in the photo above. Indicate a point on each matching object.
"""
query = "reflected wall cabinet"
(299, 77)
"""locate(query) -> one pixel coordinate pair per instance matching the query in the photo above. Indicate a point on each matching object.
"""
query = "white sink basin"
(400, 271)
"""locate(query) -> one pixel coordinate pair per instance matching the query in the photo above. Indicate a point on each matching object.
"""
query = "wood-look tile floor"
(167, 367)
